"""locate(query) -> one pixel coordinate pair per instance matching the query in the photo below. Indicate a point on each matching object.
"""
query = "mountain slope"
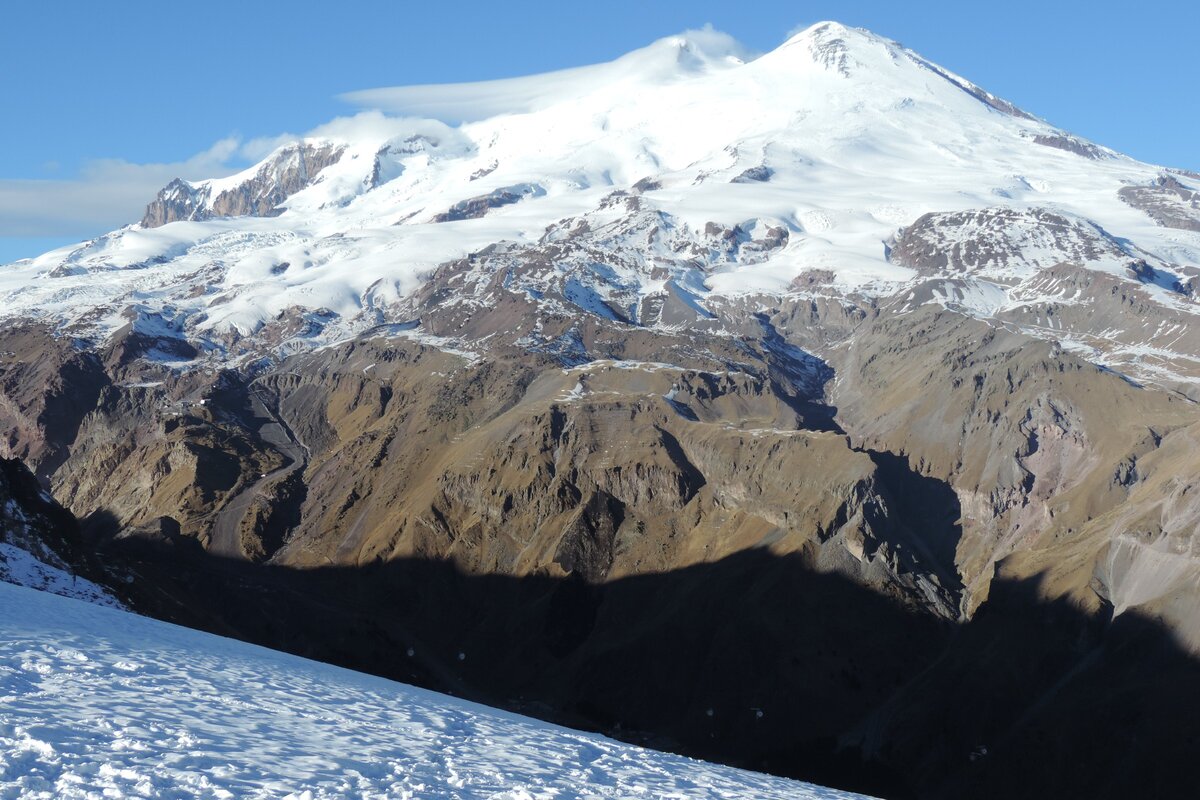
(103, 701)
(821, 382)
(39, 542)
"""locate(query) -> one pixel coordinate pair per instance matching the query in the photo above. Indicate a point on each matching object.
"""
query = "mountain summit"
(840, 140)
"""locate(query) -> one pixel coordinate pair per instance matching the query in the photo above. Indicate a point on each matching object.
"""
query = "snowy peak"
(843, 140)
(877, 65)
(670, 59)
(257, 192)
(690, 53)
(714, 62)
(830, 45)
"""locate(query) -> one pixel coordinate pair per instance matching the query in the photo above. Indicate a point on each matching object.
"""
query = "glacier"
(838, 138)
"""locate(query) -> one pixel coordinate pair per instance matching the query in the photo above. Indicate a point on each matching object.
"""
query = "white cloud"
(371, 124)
(466, 102)
(110, 193)
(107, 194)
(255, 150)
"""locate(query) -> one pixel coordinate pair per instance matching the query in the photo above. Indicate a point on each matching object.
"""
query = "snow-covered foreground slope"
(20, 567)
(96, 702)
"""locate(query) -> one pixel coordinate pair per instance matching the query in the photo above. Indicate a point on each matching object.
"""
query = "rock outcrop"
(1168, 202)
(997, 241)
(261, 194)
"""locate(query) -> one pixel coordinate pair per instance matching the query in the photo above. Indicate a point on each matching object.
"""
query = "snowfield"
(21, 567)
(838, 138)
(96, 702)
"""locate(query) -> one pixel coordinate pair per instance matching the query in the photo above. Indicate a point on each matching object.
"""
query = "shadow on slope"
(1051, 702)
(928, 509)
(755, 660)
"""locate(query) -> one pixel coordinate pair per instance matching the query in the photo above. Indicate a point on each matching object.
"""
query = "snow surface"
(857, 137)
(96, 702)
(20, 567)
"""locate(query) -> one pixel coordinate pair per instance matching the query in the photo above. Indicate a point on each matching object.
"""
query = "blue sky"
(103, 102)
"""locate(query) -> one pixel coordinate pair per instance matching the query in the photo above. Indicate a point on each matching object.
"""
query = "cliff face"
(260, 194)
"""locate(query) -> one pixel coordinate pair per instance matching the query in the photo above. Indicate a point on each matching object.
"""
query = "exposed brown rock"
(47, 386)
(997, 239)
(1168, 202)
(1072, 144)
(295, 168)
(1029, 437)
(476, 207)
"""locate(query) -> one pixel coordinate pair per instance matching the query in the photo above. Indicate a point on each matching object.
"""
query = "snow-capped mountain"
(816, 411)
(836, 157)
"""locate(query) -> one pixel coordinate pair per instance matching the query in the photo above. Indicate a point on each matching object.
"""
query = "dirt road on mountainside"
(225, 539)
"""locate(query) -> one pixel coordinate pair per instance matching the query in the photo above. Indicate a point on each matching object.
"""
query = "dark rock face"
(40, 542)
(586, 548)
(178, 200)
(646, 185)
(476, 207)
(1072, 145)
(294, 169)
(995, 238)
(29, 517)
(759, 174)
(49, 386)
(1168, 202)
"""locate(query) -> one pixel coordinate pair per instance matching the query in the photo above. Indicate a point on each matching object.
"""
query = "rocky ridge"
(287, 172)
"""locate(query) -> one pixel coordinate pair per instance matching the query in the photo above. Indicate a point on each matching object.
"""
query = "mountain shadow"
(756, 660)
(928, 509)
